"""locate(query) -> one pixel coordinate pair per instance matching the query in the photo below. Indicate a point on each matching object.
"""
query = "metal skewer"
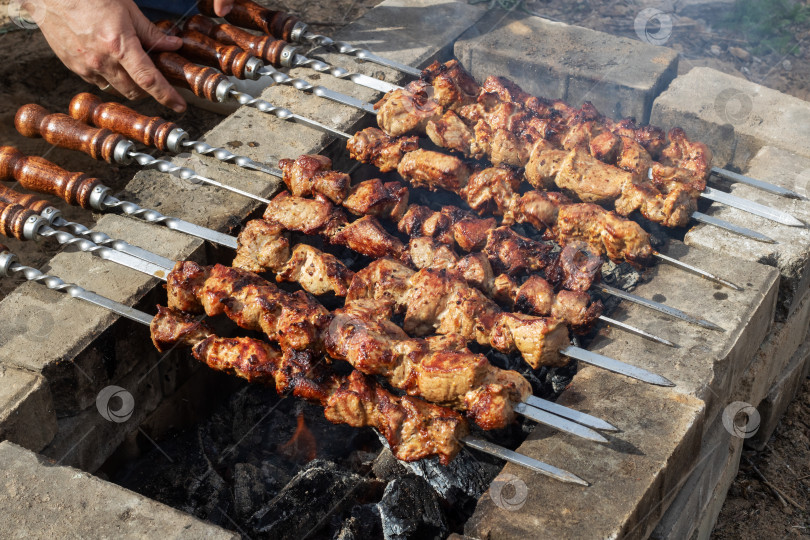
(62, 130)
(751, 207)
(281, 25)
(736, 229)
(571, 414)
(696, 270)
(9, 267)
(38, 174)
(759, 184)
(278, 53)
(657, 306)
(18, 222)
(616, 366)
(53, 217)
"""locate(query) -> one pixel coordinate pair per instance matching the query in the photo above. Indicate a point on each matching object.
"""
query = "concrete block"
(71, 343)
(41, 500)
(773, 407)
(85, 440)
(638, 475)
(773, 357)
(719, 459)
(27, 417)
(709, 514)
(620, 76)
(791, 253)
(735, 117)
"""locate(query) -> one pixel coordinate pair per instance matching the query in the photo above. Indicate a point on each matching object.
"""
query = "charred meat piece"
(577, 267)
(368, 237)
(452, 85)
(374, 146)
(407, 110)
(511, 253)
(387, 200)
(309, 175)
(309, 216)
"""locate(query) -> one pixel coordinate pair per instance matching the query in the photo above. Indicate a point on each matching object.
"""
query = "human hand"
(103, 42)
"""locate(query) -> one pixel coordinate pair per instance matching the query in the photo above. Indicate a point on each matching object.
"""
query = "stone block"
(709, 514)
(73, 344)
(637, 476)
(718, 460)
(85, 440)
(773, 357)
(773, 407)
(791, 253)
(735, 117)
(27, 417)
(620, 76)
(41, 500)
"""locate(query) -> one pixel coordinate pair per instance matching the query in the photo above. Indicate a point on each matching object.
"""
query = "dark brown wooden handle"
(267, 48)
(148, 130)
(40, 175)
(32, 202)
(201, 80)
(4, 249)
(229, 59)
(61, 130)
(248, 14)
(12, 220)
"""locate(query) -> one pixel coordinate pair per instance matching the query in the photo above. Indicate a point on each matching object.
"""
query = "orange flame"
(302, 446)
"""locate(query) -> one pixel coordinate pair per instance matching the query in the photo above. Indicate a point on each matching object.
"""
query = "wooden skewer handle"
(249, 14)
(12, 220)
(267, 48)
(61, 130)
(32, 202)
(148, 130)
(203, 81)
(229, 59)
(40, 175)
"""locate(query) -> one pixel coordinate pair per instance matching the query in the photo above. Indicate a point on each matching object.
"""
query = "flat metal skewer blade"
(284, 114)
(370, 57)
(226, 156)
(657, 306)
(566, 412)
(696, 270)
(616, 366)
(175, 224)
(557, 422)
(736, 229)
(759, 184)
(637, 331)
(316, 90)
(102, 239)
(524, 461)
(56, 284)
(340, 73)
(232, 189)
(751, 207)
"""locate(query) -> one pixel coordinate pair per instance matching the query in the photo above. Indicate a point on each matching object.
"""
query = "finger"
(147, 77)
(222, 7)
(152, 38)
(119, 82)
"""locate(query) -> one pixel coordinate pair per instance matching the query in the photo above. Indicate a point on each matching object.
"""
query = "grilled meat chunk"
(407, 110)
(262, 245)
(388, 200)
(434, 170)
(372, 145)
(309, 175)
(317, 272)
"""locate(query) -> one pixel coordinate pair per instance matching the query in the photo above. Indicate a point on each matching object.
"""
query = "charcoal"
(311, 497)
(386, 466)
(363, 523)
(249, 490)
(411, 509)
